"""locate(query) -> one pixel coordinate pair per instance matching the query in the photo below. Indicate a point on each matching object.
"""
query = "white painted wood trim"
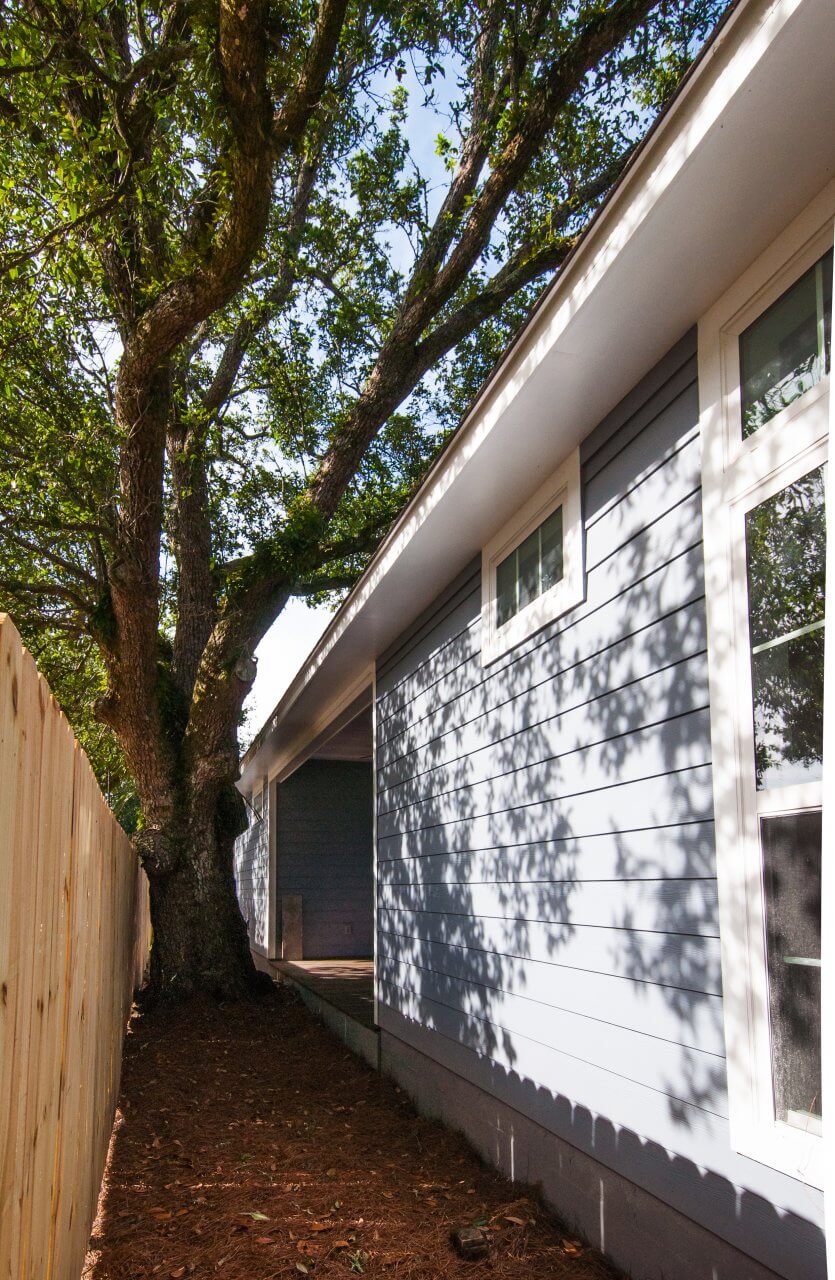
(828, 882)
(293, 754)
(374, 826)
(272, 863)
(562, 488)
(736, 476)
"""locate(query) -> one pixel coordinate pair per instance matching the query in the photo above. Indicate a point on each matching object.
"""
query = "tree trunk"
(200, 940)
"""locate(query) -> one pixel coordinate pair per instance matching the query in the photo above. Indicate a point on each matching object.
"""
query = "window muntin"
(786, 350)
(534, 566)
(786, 561)
(532, 569)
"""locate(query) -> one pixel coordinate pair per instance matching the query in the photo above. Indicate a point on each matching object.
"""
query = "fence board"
(74, 936)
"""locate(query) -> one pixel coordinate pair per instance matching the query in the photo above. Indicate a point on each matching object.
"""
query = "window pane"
(791, 850)
(552, 564)
(506, 589)
(528, 552)
(787, 349)
(786, 551)
(535, 565)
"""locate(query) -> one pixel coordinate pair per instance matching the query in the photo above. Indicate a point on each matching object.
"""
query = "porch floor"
(348, 985)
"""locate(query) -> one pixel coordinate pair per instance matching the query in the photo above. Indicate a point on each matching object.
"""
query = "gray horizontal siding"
(325, 833)
(693, 1019)
(677, 961)
(547, 904)
(762, 1213)
(613, 611)
(252, 869)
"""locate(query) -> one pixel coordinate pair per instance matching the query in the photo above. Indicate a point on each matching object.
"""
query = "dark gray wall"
(547, 904)
(325, 834)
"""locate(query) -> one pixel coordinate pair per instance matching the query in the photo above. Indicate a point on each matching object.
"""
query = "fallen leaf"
(264, 1240)
(301, 1267)
(330, 1173)
(572, 1247)
(257, 1217)
(519, 1222)
(308, 1248)
(321, 1226)
(175, 1275)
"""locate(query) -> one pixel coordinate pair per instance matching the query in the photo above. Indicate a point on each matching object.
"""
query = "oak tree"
(256, 257)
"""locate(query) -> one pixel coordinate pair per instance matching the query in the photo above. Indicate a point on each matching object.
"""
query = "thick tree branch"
(600, 35)
(397, 369)
(524, 268)
(326, 582)
(53, 557)
(19, 587)
(292, 117)
(274, 299)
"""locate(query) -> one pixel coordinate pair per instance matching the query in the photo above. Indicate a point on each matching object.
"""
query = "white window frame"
(562, 488)
(737, 475)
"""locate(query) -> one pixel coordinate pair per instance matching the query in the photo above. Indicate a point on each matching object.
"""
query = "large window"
(764, 389)
(532, 570)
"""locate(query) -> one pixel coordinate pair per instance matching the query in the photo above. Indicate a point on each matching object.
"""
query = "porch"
(341, 995)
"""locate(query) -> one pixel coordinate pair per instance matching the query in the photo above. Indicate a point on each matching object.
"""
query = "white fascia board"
(663, 246)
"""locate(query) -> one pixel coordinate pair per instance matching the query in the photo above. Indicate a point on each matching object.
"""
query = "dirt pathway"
(250, 1144)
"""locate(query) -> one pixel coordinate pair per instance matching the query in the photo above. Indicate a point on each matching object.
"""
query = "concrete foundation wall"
(636, 1230)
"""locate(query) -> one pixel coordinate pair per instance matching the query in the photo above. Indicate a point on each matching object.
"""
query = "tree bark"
(200, 939)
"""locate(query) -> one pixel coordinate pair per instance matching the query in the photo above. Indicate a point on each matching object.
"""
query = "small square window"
(532, 570)
(534, 566)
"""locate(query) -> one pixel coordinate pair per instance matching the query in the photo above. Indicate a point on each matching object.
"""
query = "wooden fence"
(74, 935)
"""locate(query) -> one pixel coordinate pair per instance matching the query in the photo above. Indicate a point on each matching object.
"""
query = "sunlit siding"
(252, 867)
(547, 905)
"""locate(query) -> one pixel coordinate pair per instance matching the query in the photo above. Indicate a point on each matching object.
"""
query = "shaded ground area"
(346, 984)
(250, 1144)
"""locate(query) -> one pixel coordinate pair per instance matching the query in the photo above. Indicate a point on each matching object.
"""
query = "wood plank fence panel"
(74, 938)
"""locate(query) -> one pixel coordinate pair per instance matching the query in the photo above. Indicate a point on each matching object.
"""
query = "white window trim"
(737, 474)
(562, 488)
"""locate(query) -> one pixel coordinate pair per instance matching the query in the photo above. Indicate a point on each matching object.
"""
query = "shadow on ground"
(249, 1143)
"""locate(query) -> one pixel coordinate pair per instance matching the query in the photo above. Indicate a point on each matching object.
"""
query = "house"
(558, 759)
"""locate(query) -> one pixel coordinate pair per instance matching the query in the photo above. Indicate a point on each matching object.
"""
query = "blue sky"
(297, 629)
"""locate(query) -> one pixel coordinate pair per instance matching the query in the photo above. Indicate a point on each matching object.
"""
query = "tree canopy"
(256, 259)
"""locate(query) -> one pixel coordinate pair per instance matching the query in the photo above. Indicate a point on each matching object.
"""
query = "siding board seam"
(522, 844)
(532, 764)
(557, 964)
(569, 795)
(519, 1035)
(548, 638)
(558, 1008)
(533, 724)
(575, 924)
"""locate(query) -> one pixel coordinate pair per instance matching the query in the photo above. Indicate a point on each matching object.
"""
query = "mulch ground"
(250, 1144)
